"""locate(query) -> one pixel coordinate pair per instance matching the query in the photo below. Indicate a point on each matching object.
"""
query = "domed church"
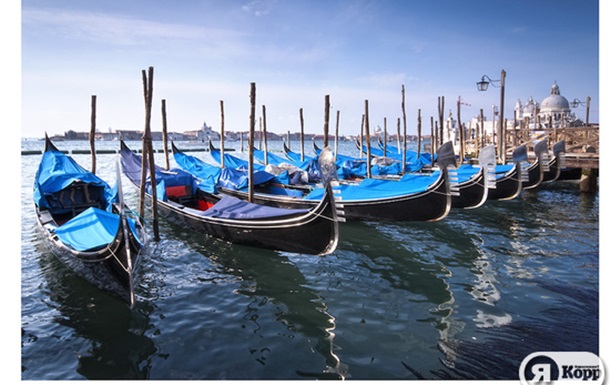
(554, 111)
(555, 107)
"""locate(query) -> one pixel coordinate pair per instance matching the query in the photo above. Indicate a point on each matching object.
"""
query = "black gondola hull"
(315, 231)
(508, 186)
(535, 176)
(471, 193)
(554, 170)
(431, 205)
(105, 269)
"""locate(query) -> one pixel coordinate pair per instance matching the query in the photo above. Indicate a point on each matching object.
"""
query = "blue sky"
(297, 52)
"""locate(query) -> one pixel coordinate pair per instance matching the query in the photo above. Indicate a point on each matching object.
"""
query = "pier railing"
(582, 143)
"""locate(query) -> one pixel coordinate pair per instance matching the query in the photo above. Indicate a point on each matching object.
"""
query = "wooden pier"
(582, 149)
(582, 143)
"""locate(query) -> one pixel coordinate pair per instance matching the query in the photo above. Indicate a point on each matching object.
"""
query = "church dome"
(554, 103)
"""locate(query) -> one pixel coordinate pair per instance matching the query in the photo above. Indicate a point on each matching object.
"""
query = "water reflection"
(269, 277)
(425, 265)
(117, 345)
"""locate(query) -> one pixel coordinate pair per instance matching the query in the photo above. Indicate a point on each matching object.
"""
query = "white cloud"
(122, 30)
(258, 7)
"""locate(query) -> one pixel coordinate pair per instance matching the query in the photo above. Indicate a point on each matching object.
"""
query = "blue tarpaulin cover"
(132, 168)
(466, 172)
(379, 188)
(309, 166)
(233, 208)
(502, 169)
(412, 162)
(58, 171)
(90, 230)
(212, 176)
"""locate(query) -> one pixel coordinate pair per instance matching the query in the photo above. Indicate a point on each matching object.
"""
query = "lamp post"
(576, 103)
(482, 86)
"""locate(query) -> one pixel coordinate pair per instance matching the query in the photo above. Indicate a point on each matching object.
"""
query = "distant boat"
(85, 225)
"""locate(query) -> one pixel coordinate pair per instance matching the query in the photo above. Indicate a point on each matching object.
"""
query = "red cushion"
(176, 191)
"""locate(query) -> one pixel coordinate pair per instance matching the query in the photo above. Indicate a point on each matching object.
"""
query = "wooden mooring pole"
(302, 137)
(404, 134)
(418, 132)
(222, 134)
(92, 132)
(326, 118)
(251, 142)
(368, 139)
(588, 180)
(337, 137)
(164, 133)
(148, 92)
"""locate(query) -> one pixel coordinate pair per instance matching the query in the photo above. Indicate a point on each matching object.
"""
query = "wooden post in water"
(326, 118)
(502, 127)
(368, 139)
(435, 145)
(385, 137)
(302, 137)
(148, 154)
(151, 154)
(404, 125)
(398, 141)
(441, 119)
(265, 134)
(164, 133)
(337, 137)
(251, 142)
(432, 139)
(418, 132)
(288, 139)
(481, 133)
(92, 132)
(460, 129)
(222, 134)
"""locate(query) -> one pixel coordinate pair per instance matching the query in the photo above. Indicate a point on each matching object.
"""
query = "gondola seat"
(76, 198)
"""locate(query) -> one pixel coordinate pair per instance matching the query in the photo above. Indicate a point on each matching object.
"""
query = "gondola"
(86, 226)
(532, 174)
(508, 182)
(469, 191)
(313, 230)
(556, 163)
(414, 198)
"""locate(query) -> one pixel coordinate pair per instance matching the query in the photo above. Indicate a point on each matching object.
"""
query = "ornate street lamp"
(575, 103)
(484, 83)
(482, 86)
